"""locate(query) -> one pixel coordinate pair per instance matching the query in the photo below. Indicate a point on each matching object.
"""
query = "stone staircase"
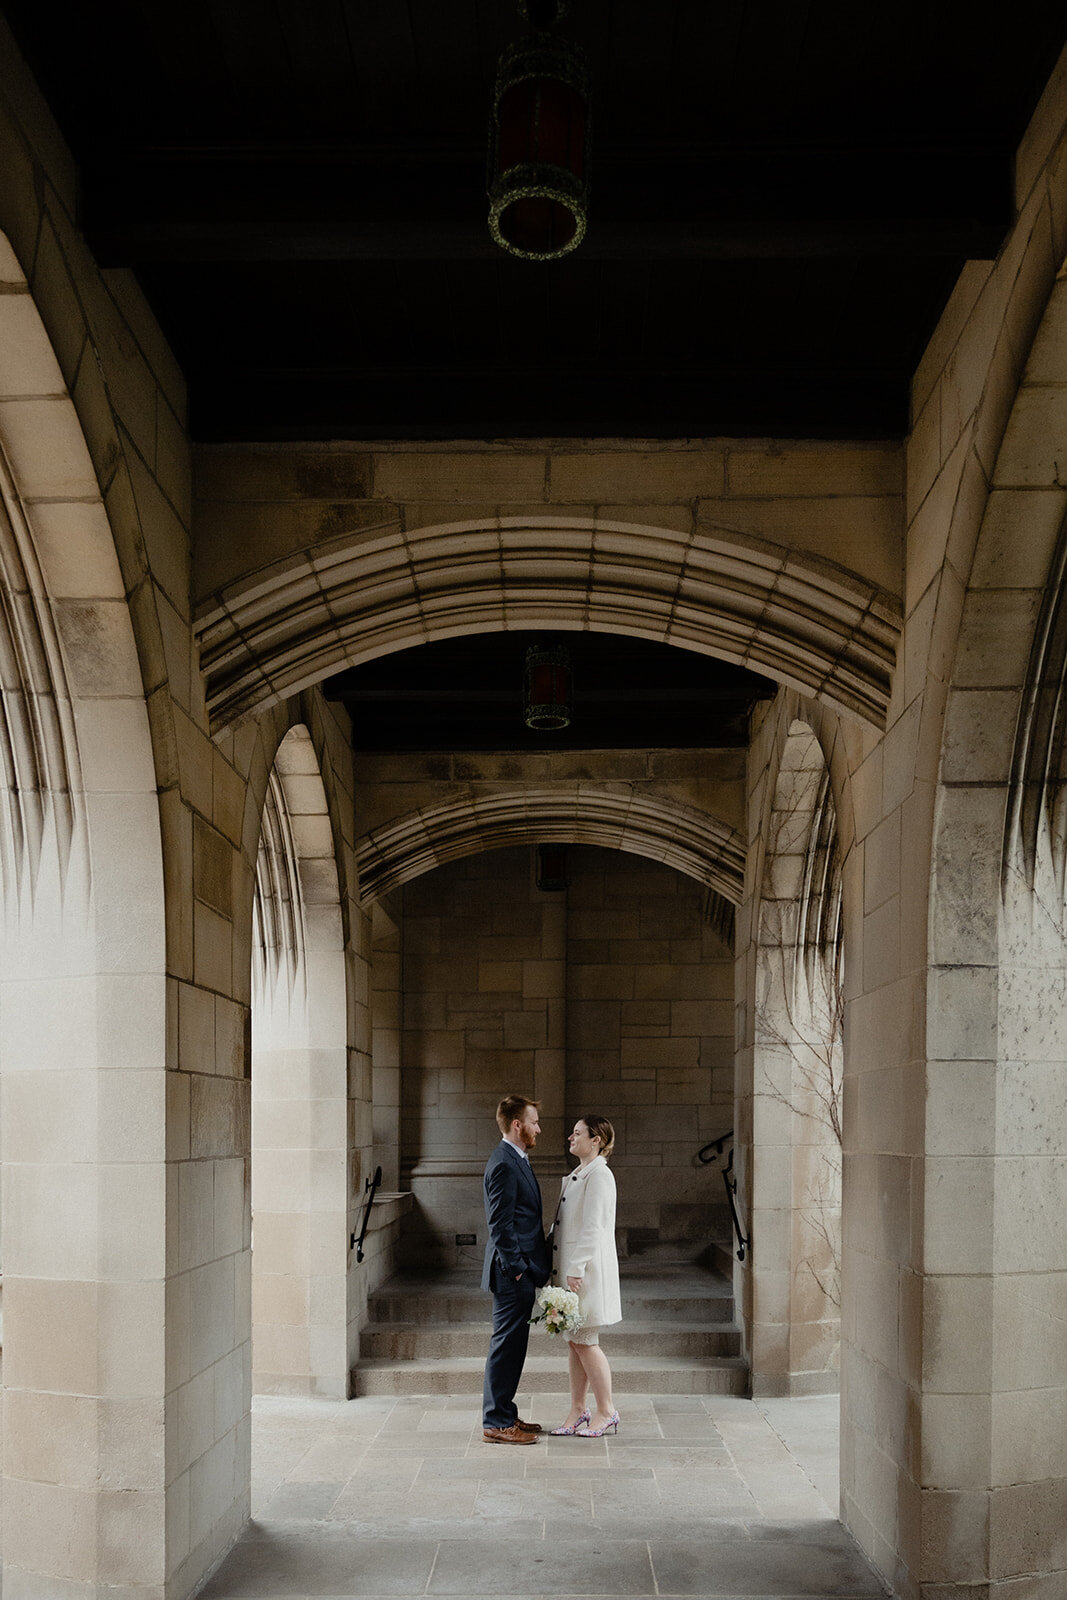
(428, 1333)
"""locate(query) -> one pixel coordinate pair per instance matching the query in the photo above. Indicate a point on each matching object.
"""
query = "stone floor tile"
(396, 1476)
(512, 1502)
(296, 1502)
(332, 1460)
(320, 1561)
(579, 1567)
(678, 1458)
(501, 1461)
(371, 1506)
(595, 1472)
(445, 1422)
(750, 1567)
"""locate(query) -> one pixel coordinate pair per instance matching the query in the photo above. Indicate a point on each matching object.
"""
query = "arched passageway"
(953, 1469)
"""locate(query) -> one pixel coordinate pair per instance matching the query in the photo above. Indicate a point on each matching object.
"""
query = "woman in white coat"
(585, 1260)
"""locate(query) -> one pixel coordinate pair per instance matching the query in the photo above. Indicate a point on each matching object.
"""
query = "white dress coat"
(585, 1239)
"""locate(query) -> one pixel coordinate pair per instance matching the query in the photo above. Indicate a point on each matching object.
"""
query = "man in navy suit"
(516, 1265)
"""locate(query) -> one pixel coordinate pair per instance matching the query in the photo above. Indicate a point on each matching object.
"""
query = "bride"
(584, 1259)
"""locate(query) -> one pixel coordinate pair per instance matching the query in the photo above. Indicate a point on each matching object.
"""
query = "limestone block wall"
(931, 1491)
(613, 997)
(650, 1036)
(483, 1009)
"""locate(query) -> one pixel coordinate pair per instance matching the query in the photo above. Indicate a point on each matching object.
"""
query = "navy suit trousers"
(513, 1305)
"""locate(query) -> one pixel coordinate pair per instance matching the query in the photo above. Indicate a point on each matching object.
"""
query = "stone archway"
(82, 1014)
(617, 816)
(300, 1178)
(805, 621)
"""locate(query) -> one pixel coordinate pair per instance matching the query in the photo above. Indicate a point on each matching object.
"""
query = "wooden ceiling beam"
(400, 204)
(699, 239)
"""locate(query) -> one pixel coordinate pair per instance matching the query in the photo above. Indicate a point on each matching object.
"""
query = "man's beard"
(528, 1139)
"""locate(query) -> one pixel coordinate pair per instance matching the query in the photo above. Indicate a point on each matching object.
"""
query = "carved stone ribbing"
(40, 773)
(616, 818)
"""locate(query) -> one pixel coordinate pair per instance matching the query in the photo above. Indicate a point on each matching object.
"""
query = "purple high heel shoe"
(565, 1431)
(611, 1425)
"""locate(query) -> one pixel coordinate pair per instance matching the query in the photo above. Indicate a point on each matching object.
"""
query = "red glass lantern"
(538, 179)
(547, 696)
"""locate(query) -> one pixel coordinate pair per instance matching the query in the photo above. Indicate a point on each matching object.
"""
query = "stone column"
(300, 1177)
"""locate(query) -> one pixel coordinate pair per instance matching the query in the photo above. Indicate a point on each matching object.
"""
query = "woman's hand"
(575, 1284)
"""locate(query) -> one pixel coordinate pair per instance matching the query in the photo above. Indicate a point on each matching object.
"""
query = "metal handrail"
(717, 1147)
(372, 1185)
(731, 1190)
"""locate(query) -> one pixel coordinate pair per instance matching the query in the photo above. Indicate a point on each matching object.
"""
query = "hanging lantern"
(538, 180)
(552, 867)
(547, 688)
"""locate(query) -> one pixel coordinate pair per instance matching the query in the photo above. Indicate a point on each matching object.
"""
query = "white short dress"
(583, 1246)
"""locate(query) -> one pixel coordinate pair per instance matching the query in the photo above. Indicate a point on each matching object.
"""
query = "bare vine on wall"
(800, 1013)
(806, 1030)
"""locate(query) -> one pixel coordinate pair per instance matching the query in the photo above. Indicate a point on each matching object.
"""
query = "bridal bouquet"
(560, 1311)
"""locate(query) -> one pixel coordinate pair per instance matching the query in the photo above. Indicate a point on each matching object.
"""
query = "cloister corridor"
(634, 681)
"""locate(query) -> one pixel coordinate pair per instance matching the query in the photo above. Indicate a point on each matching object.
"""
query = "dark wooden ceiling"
(627, 694)
(783, 195)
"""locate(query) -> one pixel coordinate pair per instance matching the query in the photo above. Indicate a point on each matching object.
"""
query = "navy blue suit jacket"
(516, 1242)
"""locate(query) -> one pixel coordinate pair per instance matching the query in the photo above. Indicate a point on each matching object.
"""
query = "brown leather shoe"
(527, 1427)
(512, 1435)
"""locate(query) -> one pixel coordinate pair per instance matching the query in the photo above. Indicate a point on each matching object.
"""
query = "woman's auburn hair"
(600, 1128)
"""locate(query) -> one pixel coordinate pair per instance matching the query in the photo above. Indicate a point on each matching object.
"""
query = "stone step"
(429, 1331)
(431, 1310)
(406, 1341)
(672, 1292)
(548, 1375)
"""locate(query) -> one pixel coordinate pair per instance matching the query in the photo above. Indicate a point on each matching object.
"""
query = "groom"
(516, 1265)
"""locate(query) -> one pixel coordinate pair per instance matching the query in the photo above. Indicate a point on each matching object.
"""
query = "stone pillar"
(300, 1121)
(84, 1098)
(790, 1069)
(83, 1019)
